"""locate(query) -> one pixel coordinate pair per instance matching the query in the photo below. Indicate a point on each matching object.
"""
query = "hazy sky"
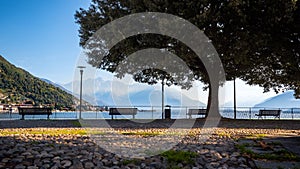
(41, 36)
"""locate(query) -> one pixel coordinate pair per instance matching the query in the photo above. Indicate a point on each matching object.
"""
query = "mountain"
(56, 85)
(284, 100)
(18, 85)
(119, 93)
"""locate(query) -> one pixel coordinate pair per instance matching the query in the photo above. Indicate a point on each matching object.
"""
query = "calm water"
(176, 113)
(93, 115)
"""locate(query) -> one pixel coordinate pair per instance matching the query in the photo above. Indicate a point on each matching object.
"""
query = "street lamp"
(234, 99)
(81, 73)
(162, 98)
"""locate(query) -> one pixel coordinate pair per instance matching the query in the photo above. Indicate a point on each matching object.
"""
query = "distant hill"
(17, 85)
(284, 100)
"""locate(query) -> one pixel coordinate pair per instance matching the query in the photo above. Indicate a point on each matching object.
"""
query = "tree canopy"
(257, 40)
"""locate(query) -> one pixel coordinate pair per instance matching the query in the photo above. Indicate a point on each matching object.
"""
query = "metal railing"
(154, 112)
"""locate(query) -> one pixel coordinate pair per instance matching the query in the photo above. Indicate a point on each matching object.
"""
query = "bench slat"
(196, 112)
(275, 113)
(34, 111)
(123, 111)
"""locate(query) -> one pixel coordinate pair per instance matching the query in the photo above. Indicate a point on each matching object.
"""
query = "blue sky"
(41, 36)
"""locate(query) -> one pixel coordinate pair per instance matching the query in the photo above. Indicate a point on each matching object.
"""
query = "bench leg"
(22, 117)
(112, 117)
(48, 116)
(133, 116)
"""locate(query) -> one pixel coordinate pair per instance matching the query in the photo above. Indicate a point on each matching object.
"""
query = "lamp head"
(81, 67)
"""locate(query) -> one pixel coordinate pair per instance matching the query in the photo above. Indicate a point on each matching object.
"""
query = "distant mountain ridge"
(117, 93)
(17, 85)
(56, 85)
(284, 100)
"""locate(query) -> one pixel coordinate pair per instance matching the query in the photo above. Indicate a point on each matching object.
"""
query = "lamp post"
(162, 98)
(80, 104)
(234, 99)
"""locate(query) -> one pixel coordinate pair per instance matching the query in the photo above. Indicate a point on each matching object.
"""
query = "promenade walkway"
(240, 144)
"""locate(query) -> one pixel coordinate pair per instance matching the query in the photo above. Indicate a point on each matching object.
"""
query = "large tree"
(257, 40)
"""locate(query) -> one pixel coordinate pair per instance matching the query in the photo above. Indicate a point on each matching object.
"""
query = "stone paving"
(273, 150)
(28, 148)
(79, 151)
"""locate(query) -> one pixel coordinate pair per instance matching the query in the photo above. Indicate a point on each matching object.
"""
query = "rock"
(235, 154)
(27, 163)
(115, 162)
(224, 160)
(88, 165)
(234, 159)
(5, 160)
(26, 154)
(55, 167)
(106, 162)
(139, 157)
(155, 164)
(46, 161)
(32, 167)
(37, 162)
(99, 164)
(220, 149)
(143, 165)
(243, 166)
(45, 166)
(83, 159)
(216, 155)
(252, 164)
(242, 160)
(203, 151)
(20, 166)
(77, 164)
(17, 160)
(209, 166)
(180, 165)
(225, 166)
(66, 163)
(215, 164)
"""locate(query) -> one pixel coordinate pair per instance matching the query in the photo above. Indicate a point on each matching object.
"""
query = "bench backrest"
(269, 112)
(123, 111)
(34, 110)
(197, 112)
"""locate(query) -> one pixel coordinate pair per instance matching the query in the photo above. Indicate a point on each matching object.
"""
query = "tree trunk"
(212, 109)
(208, 101)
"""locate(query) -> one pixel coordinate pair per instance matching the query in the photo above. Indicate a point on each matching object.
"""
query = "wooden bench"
(122, 111)
(34, 111)
(275, 113)
(196, 112)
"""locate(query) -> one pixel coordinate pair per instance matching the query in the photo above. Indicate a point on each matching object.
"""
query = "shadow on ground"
(224, 123)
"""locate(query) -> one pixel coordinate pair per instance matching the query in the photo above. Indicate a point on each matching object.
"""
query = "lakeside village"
(13, 107)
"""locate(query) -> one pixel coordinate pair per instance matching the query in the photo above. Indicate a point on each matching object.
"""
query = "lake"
(176, 113)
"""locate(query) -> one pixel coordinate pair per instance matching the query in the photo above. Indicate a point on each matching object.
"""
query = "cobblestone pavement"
(38, 146)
